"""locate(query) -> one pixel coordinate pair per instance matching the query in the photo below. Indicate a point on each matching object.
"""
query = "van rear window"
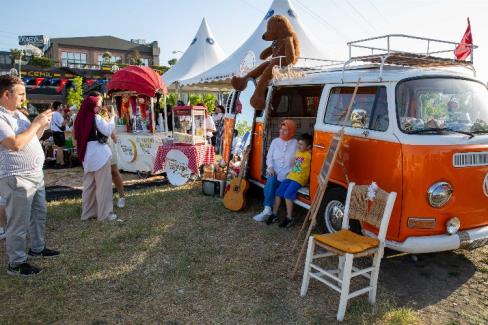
(369, 110)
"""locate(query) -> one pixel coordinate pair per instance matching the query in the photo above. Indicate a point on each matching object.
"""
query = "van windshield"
(430, 105)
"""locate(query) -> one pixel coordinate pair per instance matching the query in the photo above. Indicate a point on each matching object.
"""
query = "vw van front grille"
(470, 159)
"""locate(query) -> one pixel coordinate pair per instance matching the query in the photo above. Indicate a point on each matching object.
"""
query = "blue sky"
(174, 23)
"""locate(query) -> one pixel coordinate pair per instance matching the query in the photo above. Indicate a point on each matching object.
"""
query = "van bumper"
(466, 239)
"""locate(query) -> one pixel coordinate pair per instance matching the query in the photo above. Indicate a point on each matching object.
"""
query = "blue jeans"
(288, 189)
(272, 184)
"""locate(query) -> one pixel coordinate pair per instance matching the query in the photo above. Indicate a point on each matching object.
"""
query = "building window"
(68, 58)
(4, 59)
(145, 62)
(113, 59)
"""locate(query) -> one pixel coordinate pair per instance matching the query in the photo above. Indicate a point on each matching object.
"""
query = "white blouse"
(97, 154)
(281, 156)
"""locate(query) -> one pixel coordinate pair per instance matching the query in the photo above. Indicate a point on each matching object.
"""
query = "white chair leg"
(374, 276)
(340, 266)
(306, 269)
(346, 280)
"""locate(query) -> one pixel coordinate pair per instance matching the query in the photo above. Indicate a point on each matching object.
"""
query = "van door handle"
(320, 146)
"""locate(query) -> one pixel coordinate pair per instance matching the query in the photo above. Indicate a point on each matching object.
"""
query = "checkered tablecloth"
(197, 155)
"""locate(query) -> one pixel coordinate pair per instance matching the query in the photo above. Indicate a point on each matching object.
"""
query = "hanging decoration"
(38, 82)
(27, 80)
(126, 112)
(62, 83)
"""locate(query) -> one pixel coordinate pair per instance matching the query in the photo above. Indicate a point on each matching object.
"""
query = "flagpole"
(472, 42)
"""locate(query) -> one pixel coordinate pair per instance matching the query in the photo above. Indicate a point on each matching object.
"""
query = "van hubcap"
(334, 212)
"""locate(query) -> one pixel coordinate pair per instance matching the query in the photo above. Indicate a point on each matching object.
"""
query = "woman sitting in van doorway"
(279, 161)
(297, 177)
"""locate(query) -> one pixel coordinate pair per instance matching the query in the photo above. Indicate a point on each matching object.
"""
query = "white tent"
(218, 77)
(203, 53)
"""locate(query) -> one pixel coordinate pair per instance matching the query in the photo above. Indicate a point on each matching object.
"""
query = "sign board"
(36, 40)
(127, 149)
(177, 169)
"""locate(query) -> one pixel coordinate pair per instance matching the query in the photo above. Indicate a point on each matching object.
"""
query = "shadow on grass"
(431, 279)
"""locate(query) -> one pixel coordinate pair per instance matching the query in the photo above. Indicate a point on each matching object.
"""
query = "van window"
(369, 110)
(296, 101)
(428, 105)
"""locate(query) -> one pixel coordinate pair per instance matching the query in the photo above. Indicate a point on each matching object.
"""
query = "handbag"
(62, 127)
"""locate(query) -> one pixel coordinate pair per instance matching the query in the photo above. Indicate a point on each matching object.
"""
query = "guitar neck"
(245, 158)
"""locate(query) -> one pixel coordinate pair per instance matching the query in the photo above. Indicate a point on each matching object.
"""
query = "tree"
(42, 61)
(15, 54)
(75, 93)
(135, 58)
(161, 68)
(207, 99)
(171, 99)
(242, 127)
(172, 61)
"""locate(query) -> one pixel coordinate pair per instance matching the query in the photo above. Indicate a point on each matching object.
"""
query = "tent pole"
(153, 124)
(165, 114)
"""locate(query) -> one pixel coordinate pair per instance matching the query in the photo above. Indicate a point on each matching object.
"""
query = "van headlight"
(439, 194)
(452, 225)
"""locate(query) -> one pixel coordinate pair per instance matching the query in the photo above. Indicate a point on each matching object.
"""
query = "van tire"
(335, 197)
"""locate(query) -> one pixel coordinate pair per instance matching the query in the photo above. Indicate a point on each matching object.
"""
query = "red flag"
(38, 82)
(61, 85)
(464, 49)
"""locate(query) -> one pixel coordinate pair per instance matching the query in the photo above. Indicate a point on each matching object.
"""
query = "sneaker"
(272, 219)
(286, 223)
(112, 217)
(121, 202)
(263, 215)
(3, 233)
(23, 269)
(46, 252)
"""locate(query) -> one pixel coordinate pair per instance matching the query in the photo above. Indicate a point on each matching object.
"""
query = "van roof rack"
(434, 55)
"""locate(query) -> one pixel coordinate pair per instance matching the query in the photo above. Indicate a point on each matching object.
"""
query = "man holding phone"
(22, 178)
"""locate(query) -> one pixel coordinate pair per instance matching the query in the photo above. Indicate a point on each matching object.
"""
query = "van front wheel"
(332, 212)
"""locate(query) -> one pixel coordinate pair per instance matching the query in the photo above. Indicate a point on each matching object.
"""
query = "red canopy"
(142, 80)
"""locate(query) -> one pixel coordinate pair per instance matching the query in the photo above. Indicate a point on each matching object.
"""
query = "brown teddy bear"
(285, 45)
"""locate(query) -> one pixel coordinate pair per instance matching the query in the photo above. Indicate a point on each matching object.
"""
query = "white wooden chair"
(348, 245)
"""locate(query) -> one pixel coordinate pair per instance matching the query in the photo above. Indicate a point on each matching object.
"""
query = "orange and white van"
(420, 132)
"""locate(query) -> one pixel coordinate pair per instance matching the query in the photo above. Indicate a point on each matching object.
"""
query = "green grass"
(400, 316)
(179, 257)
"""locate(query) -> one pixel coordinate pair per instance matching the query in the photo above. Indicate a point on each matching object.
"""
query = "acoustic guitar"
(235, 197)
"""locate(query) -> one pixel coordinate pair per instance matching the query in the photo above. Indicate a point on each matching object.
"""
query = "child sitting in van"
(297, 177)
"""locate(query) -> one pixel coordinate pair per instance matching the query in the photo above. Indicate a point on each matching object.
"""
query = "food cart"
(137, 93)
(189, 150)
